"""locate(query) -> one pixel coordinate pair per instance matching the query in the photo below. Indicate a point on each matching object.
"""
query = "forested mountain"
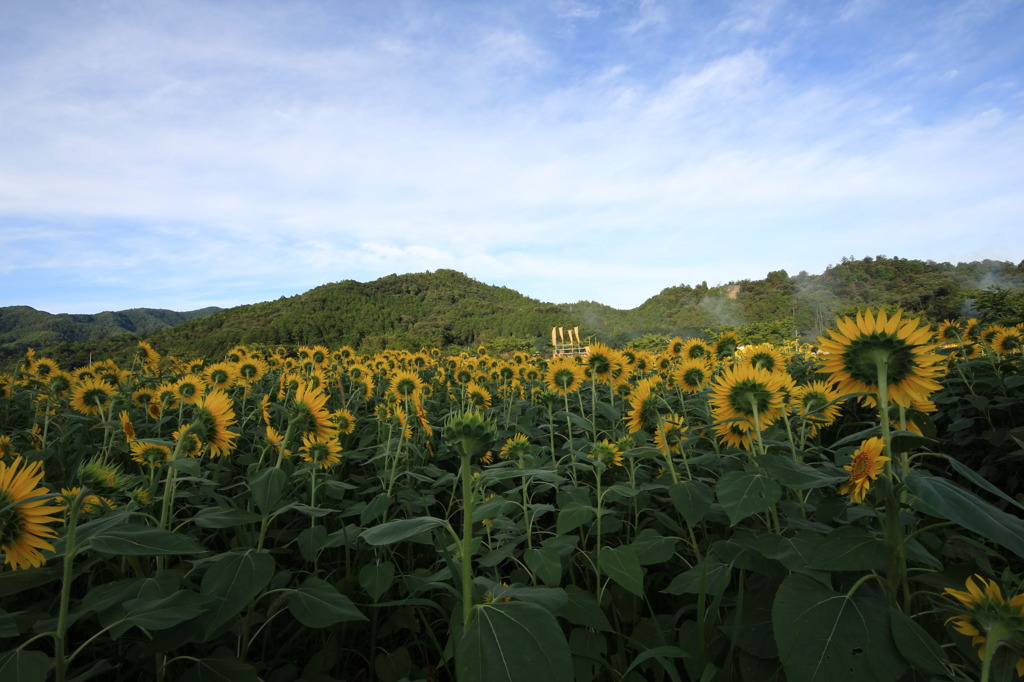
(22, 327)
(448, 309)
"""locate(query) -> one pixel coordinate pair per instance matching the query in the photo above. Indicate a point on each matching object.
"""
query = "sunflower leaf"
(234, 580)
(946, 500)
(24, 665)
(134, 539)
(824, 636)
(745, 493)
(513, 641)
(403, 529)
(692, 499)
(316, 604)
(622, 565)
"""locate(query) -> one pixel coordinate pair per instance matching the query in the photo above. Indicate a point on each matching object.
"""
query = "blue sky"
(192, 153)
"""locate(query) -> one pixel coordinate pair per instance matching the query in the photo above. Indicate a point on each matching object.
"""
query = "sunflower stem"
(598, 467)
(881, 366)
(757, 424)
(467, 543)
(60, 654)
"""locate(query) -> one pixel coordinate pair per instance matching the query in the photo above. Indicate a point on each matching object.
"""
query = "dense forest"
(447, 309)
(23, 327)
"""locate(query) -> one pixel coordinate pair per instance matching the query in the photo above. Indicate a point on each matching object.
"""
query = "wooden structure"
(566, 342)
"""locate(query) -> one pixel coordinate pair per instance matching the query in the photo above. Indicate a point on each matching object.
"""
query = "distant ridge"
(447, 309)
(22, 326)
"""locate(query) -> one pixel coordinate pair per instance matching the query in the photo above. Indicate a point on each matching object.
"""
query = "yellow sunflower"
(406, 385)
(127, 428)
(696, 349)
(211, 422)
(949, 332)
(726, 344)
(868, 464)
(692, 375)
(606, 453)
(735, 433)
(859, 349)
(344, 420)
(277, 440)
(516, 447)
(477, 396)
(143, 396)
(23, 525)
(990, 618)
(309, 414)
(603, 362)
(675, 346)
(1008, 340)
(564, 376)
(166, 396)
(150, 454)
(251, 369)
(43, 368)
(91, 396)
(763, 355)
(187, 442)
(190, 389)
(91, 504)
(220, 375)
(670, 434)
(814, 403)
(324, 452)
(643, 405)
(148, 356)
(745, 391)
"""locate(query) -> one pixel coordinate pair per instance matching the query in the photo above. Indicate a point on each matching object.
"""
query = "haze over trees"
(447, 309)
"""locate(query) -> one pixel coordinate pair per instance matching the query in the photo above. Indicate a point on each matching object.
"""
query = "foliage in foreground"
(703, 513)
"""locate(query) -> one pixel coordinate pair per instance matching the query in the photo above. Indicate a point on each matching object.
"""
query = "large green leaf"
(402, 529)
(824, 636)
(234, 580)
(160, 613)
(980, 481)
(311, 542)
(267, 486)
(800, 475)
(692, 499)
(546, 564)
(512, 642)
(653, 548)
(582, 609)
(575, 508)
(710, 576)
(137, 540)
(15, 582)
(850, 548)
(622, 565)
(316, 604)
(945, 499)
(24, 665)
(223, 517)
(917, 646)
(376, 578)
(744, 493)
(794, 552)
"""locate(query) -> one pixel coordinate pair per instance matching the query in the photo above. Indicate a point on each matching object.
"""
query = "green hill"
(448, 309)
(23, 327)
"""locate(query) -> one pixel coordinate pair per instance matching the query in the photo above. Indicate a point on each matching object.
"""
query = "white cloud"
(236, 157)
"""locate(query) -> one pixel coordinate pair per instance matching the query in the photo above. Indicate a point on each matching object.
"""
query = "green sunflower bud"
(470, 433)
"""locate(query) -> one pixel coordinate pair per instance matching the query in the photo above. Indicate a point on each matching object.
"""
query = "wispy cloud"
(188, 154)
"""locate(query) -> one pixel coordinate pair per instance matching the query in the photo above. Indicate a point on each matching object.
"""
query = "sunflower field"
(852, 510)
